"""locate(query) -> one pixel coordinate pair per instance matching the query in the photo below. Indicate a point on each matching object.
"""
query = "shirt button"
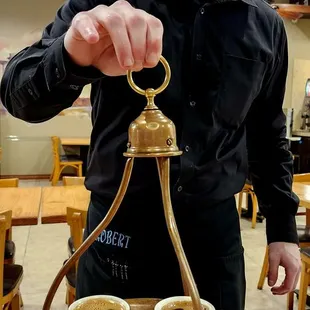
(192, 103)
(186, 148)
(198, 56)
(30, 92)
(180, 188)
(202, 11)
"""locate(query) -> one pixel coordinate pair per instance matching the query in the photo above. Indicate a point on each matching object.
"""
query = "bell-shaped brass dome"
(152, 134)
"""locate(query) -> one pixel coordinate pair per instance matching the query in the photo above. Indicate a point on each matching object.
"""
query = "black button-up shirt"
(229, 66)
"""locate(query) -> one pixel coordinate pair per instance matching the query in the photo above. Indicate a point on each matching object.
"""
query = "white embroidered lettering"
(109, 235)
(115, 236)
(102, 236)
(127, 241)
(120, 241)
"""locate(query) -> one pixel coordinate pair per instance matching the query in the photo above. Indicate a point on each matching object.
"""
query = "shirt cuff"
(60, 69)
(281, 228)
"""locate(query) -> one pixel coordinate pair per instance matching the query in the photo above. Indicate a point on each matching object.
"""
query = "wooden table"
(75, 141)
(302, 190)
(24, 203)
(56, 199)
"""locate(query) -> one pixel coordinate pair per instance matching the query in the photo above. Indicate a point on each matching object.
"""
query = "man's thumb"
(274, 262)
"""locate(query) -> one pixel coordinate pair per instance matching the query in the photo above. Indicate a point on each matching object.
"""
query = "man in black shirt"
(229, 66)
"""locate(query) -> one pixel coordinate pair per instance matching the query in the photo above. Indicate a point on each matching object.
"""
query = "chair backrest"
(304, 177)
(56, 146)
(76, 219)
(70, 181)
(5, 225)
(13, 182)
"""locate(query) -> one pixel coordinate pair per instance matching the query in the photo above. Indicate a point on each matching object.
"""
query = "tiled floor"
(42, 250)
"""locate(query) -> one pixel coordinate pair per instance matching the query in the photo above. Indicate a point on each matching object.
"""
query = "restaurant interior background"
(26, 148)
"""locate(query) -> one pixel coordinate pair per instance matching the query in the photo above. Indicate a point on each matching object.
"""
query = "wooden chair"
(76, 219)
(248, 190)
(304, 241)
(10, 274)
(9, 244)
(14, 182)
(62, 162)
(70, 181)
(304, 282)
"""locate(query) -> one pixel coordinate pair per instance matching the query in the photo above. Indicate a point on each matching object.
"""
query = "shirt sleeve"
(270, 161)
(40, 81)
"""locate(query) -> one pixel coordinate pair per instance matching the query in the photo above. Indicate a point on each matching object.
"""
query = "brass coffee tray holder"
(152, 134)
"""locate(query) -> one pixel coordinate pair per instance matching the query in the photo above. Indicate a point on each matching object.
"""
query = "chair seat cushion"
(9, 249)
(71, 248)
(303, 233)
(71, 276)
(11, 274)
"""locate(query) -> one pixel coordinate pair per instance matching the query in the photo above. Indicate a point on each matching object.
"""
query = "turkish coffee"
(181, 305)
(99, 304)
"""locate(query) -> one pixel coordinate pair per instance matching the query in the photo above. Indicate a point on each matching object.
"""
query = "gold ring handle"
(157, 90)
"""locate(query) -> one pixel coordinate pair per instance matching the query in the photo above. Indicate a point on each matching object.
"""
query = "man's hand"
(115, 38)
(286, 255)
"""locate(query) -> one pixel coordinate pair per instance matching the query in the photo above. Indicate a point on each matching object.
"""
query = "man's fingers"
(84, 28)
(145, 33)
(153, 42)
(115, 25)
(288, 283)
(274, 263)
(292, 270)
(133, 35)
(136, 23)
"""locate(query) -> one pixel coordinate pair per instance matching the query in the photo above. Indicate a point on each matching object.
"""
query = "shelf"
(292, 11)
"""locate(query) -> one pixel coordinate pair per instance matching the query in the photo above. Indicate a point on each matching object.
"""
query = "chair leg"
(304, 281)
(240, 203)
(290, 301)
(264, 271)
(15, 303)
(52, 174)
(80, 171)
(56, 176)
(254, 208)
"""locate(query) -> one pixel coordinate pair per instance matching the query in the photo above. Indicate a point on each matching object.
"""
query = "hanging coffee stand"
(152, 134)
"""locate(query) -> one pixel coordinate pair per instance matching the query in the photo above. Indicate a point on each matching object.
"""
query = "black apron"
(134, 257)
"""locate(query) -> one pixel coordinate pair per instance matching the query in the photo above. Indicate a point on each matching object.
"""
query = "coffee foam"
(99, 304)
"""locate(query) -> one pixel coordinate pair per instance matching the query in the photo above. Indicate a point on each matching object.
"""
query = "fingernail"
(128, 62)
(270, 283)
(152, 58)
(89, 31)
